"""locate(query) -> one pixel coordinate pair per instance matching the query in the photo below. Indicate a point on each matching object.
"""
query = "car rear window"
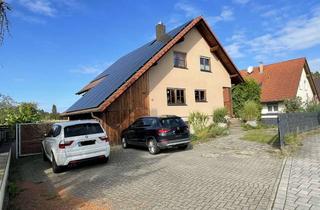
(172, 122)
(82, 129)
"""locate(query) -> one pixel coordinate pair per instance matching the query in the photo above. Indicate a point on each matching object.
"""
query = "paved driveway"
(300, 184)
(226, 173)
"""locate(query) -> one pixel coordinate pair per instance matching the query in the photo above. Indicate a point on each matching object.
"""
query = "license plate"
(85, 143)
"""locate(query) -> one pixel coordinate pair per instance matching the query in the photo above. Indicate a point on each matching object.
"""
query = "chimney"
(160, 31)
(261, 67)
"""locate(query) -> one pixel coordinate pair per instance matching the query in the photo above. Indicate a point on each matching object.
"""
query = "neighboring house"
(316, 80)
(181, 71)
(281, 81)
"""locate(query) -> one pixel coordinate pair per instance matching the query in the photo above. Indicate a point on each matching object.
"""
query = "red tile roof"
(279, 81)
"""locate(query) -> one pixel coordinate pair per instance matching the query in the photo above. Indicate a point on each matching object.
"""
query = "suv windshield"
(172, 122)
(82, 129)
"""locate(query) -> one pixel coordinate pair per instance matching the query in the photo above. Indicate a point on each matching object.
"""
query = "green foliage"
(54, 113)
(293, 105)
(198, 121)
(211, 131)
(23, 113)
(261, 135)
(313, 107)
(251, 111)
(219, 115)
(7, 104)
(243, 92)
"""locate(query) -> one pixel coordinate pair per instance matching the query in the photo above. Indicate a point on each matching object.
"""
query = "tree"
(316, 74)
(24, 113)
(54, 109)
(7, 104)
(249, 90)
(54, 113)
(4, 22)
(293, 105)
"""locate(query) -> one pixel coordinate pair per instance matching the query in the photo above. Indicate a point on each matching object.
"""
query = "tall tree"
(4, 22)
(54, 109)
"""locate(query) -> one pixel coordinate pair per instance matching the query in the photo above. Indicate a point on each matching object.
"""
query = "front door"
(227, 100)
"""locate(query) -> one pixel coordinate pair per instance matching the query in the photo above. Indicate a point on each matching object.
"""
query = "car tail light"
(63, 144)
(163, 132)
(104, 138)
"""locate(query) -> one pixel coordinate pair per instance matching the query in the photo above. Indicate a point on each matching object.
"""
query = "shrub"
(211, 131)
(198, 121)
(293, 105)
(247, 91)
(250, 111)
(219, 115)
(313, 107)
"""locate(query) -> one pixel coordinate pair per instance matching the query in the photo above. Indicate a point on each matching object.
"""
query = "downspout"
(95, 117)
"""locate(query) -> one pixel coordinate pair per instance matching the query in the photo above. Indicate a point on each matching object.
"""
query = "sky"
(55, 47)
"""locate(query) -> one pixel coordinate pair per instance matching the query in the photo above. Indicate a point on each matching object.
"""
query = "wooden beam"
(234, 75)
(214, 48)
(180, 40)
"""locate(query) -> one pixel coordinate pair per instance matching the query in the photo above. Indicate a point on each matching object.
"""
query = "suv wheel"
(184, 146)
(55, 167)
(153, 147)
(124, 143)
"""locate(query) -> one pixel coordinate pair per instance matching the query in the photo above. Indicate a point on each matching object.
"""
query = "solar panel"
(120, 71)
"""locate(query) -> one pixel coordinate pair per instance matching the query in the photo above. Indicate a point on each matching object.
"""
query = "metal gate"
(29, 137)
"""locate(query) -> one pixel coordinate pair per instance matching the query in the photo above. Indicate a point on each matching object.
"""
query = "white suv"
(69, 142)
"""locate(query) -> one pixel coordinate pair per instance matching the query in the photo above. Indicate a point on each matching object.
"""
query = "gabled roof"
(125, 71)
(280, 81)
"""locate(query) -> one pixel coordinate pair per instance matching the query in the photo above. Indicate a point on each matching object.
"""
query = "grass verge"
(265, 136)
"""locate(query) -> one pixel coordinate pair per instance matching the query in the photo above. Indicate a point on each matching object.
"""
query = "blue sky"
(58, 46)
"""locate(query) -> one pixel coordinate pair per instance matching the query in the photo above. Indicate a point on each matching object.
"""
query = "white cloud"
(94, 69)
(189, 10)
(225, 15)
(297, 34)
(42, 7)
(241, 1)
(27, 18)
(88, 70)
(234, 50)
(315, 64)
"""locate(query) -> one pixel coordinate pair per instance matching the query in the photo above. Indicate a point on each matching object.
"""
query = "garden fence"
(289, 123)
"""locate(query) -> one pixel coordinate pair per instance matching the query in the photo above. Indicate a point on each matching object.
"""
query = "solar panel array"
(120, 71)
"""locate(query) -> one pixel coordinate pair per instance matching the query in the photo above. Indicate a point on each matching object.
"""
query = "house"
(181, 71)
(281, 81)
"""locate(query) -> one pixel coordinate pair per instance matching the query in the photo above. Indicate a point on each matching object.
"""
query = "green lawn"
(265, 136)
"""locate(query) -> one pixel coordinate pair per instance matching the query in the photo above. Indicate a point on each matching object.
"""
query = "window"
(56, 130)
(205, 64)
(175, 96)
(180, 60)
(200, 95)
(172, 122)
(82, 129)
(149, 122)
(273, 108)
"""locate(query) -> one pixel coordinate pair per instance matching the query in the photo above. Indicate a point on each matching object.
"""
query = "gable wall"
(164, 75)
(304, 89)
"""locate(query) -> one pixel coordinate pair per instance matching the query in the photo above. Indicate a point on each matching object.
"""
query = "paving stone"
(226, 173)
(303, 191)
